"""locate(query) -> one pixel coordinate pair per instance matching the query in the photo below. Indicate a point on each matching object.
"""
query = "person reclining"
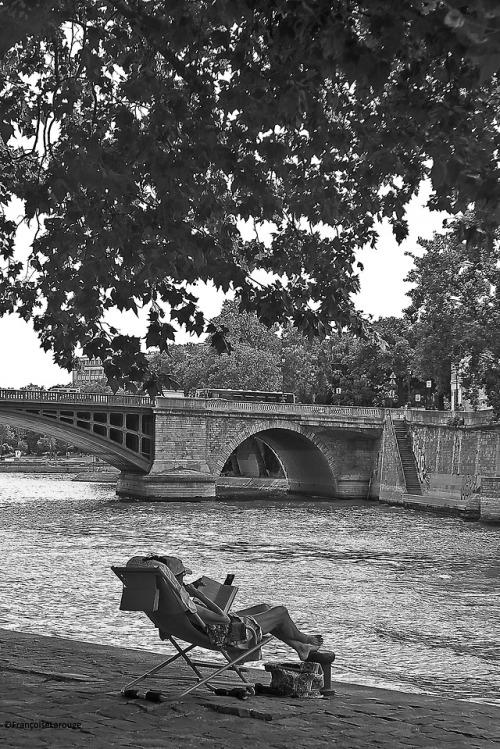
(243, 629)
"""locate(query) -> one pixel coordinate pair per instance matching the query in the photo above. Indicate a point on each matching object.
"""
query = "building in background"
(87, 371)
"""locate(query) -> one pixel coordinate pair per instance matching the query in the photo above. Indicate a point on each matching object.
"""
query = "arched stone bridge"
(176, 448)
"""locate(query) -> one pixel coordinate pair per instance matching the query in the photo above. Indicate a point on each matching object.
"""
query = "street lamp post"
(408, 383)
(454, 388)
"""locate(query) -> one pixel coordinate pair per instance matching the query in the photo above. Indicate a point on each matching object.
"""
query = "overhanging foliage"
(138, 135)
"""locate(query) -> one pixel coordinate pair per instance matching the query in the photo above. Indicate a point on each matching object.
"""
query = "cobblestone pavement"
(62, 693)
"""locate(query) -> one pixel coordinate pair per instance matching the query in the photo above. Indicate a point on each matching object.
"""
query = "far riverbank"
(85, 463)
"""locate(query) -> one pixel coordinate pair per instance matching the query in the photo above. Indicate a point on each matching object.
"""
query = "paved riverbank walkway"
(62, 693)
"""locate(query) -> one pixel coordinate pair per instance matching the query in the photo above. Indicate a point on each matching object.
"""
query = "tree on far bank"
(97, 386)
(252, 361)
(7, 439)
(361, 371)
(455, 312)
(199, 366)
(273, 360)
(138, 136)
(299, 363)
(348, 370)
(246, 328)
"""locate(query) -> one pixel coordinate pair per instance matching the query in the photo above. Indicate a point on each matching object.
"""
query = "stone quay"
(57, 692)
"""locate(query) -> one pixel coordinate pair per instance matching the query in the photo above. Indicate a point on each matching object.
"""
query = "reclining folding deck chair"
(155, 591)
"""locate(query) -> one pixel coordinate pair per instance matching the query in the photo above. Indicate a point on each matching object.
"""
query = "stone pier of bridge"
(324, 451)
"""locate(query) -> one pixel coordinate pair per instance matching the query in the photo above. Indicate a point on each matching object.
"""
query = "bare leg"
(252, 610)
(277, 621)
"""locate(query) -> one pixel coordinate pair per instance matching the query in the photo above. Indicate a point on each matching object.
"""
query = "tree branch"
(149, 27)
(20, 19)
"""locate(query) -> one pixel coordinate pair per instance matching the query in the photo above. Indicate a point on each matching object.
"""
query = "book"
(222, 595)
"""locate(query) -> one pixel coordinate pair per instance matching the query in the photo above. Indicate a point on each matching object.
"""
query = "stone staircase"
(407, 458)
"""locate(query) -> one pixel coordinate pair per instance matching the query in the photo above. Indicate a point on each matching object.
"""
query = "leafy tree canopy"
(252, 361)
(362, 370)
(97, 386)
(7, 437)
(138, 133)
(287, 361)
(455, 312)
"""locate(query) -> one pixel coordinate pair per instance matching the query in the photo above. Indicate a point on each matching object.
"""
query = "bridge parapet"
(56, 396)
(332, 413)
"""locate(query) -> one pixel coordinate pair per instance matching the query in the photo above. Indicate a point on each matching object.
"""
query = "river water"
(407, 600)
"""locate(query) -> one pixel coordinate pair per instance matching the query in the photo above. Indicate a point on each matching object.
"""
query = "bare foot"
(311, 644)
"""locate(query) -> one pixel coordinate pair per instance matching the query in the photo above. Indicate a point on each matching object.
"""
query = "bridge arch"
(307, 461)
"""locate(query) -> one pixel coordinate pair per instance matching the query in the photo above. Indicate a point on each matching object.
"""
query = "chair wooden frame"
(156, 593)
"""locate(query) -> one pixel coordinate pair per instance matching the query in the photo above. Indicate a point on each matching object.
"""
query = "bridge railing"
(415, 415)
(51, 396)
(295, 409)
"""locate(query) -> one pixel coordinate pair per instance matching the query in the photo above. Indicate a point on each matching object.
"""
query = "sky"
(382, 294)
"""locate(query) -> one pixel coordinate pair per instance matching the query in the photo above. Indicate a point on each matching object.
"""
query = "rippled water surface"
(407, 600)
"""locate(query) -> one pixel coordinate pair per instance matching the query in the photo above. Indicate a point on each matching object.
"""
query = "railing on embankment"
(442, 418)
